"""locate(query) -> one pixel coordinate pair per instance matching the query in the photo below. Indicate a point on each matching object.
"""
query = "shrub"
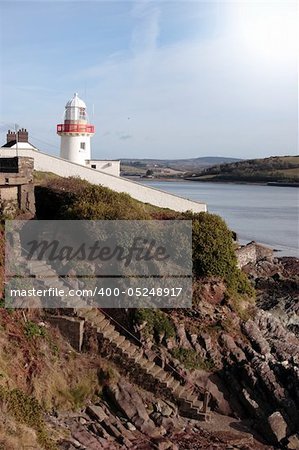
(213, 251)
(26, 409)
(33, 330)
(157, 322)
(97, 202)
(77, 396)
(191, 360)
(78, 199)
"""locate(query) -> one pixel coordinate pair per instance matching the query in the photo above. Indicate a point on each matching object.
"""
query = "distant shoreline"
(181, 180)
(261, 183)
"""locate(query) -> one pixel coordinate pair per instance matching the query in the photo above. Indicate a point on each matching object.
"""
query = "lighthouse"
(75, 132)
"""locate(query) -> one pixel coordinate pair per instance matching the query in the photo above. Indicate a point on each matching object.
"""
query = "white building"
(76, 134)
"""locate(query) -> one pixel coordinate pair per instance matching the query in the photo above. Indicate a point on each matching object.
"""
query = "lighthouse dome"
(75, 109)
(75, 102)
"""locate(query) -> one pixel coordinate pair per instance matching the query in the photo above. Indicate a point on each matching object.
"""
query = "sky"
(161, 79)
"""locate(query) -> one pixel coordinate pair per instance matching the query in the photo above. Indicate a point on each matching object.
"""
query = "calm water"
(265, 214)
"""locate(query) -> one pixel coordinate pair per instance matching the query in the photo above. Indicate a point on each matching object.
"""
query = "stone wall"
(8, 193)
(252, 253)
(64, 168)
(71, 328)
(16, 185)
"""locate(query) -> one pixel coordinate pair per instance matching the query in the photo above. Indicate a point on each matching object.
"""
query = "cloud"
(124, 137)
(145, 33)
(191, 96)
(146, 15)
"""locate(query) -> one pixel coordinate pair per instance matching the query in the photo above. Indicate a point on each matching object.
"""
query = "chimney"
(11, 136)
(22, 135)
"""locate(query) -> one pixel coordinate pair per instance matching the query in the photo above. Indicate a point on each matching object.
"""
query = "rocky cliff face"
(254, 396)
(277, 285)
(248, 361)
(247, 357)
(131, 418)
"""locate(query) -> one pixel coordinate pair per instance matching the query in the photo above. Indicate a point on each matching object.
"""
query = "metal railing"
(75, 128)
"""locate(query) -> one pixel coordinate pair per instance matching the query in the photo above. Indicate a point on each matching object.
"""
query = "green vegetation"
(191, 360)
(33, 330)
(213, 248)
(26, 410)
(157, 322)
(73, 198)
(40, 177)
(190, 164)
(213, 252)
(273, 169)
(77, 396)
(107, 376)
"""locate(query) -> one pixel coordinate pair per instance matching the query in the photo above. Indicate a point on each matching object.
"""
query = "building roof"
(9, 144)
(13, 145)
(75, 110)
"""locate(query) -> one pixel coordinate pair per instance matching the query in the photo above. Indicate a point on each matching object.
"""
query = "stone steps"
(188, 402)
(40, 268)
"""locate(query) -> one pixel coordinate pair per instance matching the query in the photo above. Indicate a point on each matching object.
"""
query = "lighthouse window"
(82, 114)
(93, 166)
(82, 145)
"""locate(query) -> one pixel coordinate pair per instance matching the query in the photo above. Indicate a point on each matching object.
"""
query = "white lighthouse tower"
(75, 132)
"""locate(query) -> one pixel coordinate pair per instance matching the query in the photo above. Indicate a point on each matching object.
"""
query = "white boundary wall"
(64, 168)
(111, 167)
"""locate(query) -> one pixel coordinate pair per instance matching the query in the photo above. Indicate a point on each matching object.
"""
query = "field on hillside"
(274, 169)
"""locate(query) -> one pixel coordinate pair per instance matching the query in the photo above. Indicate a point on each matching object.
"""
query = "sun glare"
(269, 30)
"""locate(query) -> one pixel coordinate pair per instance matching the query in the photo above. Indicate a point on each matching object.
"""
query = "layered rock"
(277, 286)
(127, 418)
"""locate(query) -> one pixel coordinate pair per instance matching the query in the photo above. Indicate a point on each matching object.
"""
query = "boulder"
(87, 440)
(129, 402)
(164, 408)
(278, 426)
(96, 412)
(166, 411)
(293, 442)
(181, 336)
(130, 426)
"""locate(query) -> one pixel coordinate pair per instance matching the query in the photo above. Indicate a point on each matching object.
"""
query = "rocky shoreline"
(245, 354)
(254, 382)
(277, 285)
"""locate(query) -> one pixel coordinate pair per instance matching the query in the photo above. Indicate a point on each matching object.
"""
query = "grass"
(76, 199)
(157, 322)
(191, 360)
(26, 410)
(42, 177)
(291, 172)
(33, 330)
(76, 396)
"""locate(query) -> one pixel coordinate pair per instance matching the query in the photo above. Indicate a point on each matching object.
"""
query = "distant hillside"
(277, 169)
(188, 164)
